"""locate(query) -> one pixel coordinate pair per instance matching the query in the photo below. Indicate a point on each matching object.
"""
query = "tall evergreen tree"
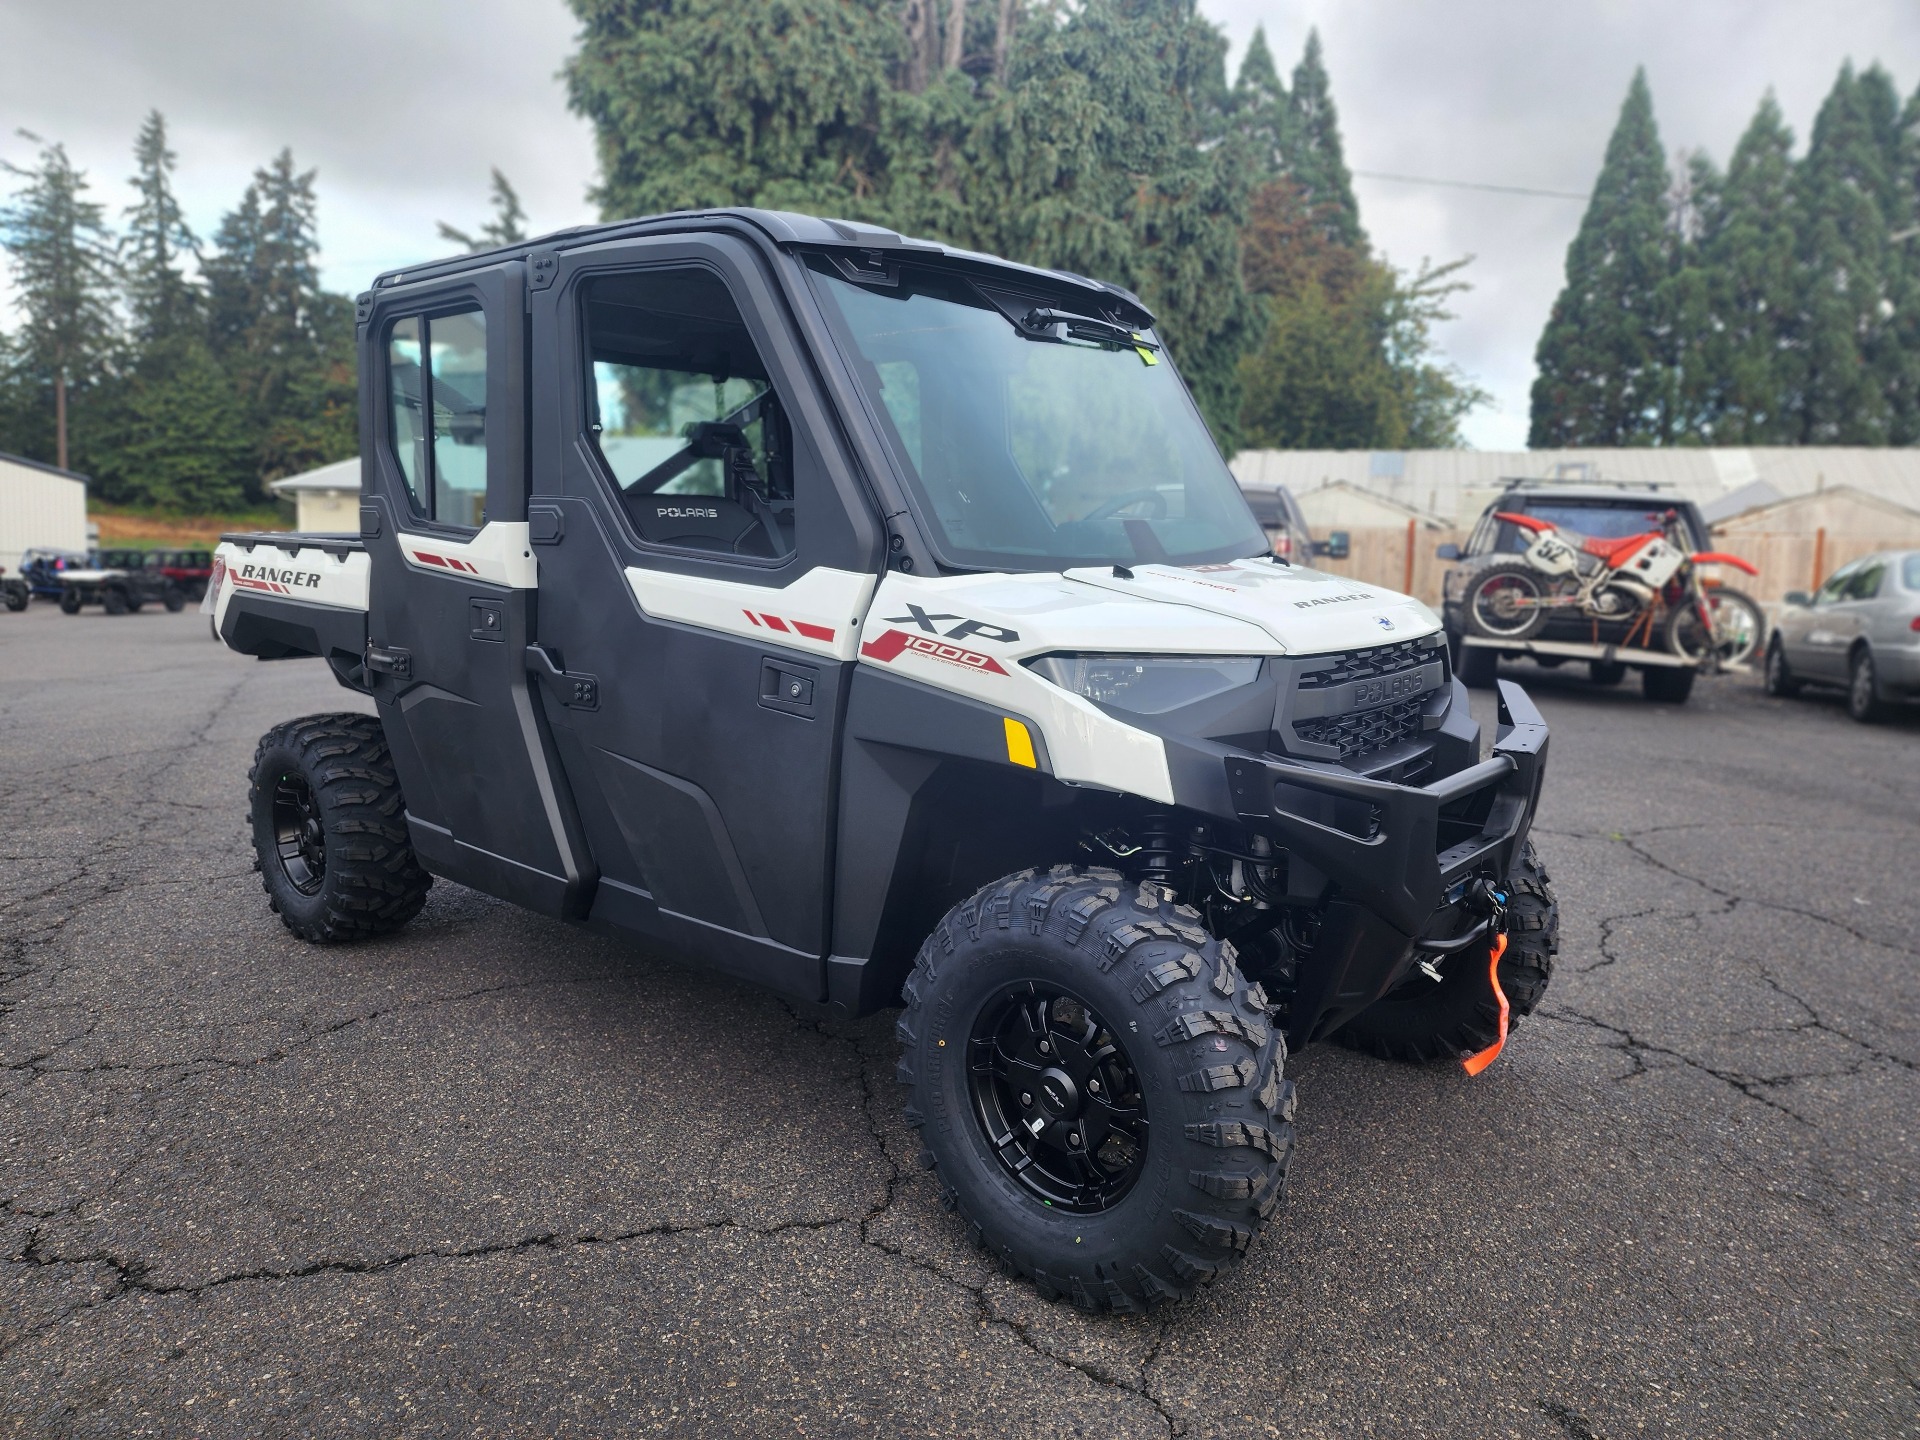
(1739, 367)
(286, 344)
(157, 242)
(1606, 357)
(1316, 160)
(1260, 111)
(507, 227)
(64, 272)
(1843, 188)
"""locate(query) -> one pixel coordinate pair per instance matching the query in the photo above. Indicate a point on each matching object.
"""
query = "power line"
(1468, 185)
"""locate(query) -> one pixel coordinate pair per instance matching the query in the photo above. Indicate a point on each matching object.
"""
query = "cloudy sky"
(403, 105)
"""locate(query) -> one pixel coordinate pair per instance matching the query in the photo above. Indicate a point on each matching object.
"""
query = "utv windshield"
(1037, 436)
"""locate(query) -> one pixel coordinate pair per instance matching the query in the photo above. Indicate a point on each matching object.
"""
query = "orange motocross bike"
(1647, 581)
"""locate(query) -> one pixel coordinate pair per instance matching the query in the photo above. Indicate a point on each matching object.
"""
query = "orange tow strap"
(1474, 1064)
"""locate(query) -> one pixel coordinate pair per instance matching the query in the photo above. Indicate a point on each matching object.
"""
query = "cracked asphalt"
(495, 1176)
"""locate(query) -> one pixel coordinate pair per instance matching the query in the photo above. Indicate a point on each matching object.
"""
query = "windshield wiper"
(1041, 323)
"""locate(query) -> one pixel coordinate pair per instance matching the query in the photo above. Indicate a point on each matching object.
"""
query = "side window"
(684, 414)
(437, 389)
(1866, 582)
(1836, 586)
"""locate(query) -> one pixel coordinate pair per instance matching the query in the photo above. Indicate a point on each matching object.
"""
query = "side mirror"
(1337, 545)
(1448, 551)
(1796, 597)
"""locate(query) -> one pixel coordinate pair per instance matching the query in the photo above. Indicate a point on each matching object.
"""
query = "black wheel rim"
(1862, 683)
(298, 836)
(1057, 1097)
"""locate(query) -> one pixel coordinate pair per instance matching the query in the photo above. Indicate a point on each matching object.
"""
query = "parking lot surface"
(497, 1176)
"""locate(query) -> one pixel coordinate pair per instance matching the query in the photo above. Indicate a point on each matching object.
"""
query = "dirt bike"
(1631, 580)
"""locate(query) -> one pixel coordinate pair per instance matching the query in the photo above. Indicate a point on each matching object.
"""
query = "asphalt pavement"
(496, 1176)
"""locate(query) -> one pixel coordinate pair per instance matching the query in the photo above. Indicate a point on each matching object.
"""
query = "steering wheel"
(1133, 497)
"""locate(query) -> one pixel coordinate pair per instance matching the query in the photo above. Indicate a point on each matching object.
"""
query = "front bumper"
(1393, 853)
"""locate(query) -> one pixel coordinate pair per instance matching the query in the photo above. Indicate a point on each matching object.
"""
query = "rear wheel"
(115, 601)
(1098, 1086)
(1781, 680)
(330, 830)
(1863, 689)
(1666, 684)
(70, 602)
(174, 599)
(1422, 1021)
(1738, 629)
(17, 597)
(1505, 602)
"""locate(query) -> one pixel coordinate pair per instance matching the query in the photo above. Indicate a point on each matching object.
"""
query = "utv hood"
(1305, 611)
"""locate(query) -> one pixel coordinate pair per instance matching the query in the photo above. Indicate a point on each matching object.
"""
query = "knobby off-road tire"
(1485, 613)
(115, 601)
(1421, 1021)
(330, 830)
(174, 598)
(1193, 1037)
(70, 602)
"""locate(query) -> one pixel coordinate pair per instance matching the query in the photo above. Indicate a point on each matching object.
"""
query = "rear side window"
(1910, 573)
(684, 414)
(437, 404)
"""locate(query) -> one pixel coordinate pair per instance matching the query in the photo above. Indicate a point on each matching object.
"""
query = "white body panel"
(819, 613)
(1654, 563)
(500, 554)
(1551, 555)
(305, 574)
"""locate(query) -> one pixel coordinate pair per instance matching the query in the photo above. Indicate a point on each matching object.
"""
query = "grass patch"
(124, 525)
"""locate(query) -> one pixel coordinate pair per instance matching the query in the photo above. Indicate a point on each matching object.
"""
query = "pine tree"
(157, 242)
(1260, 112)
(64, 272)
(507, 227)
(1316, 160)
(286, 344)
(1606, 358)
(1739, 366)
(1842, 190)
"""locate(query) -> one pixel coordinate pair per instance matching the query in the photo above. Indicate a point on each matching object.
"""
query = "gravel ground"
(495, 1176)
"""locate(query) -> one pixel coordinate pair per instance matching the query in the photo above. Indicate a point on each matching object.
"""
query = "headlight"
(1147, 684)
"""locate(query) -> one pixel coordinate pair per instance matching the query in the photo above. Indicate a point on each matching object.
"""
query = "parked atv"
(878, 622)
(120, 582)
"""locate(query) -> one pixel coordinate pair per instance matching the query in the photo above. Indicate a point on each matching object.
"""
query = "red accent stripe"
(430, 559)
(813, 632)
(887, 647)
(751, 616)
(774, 620)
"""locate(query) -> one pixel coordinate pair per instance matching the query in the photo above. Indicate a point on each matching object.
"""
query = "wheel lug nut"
(1045, 1048)
(1026, 1098)
(1094, 1086)
(1074, 1140)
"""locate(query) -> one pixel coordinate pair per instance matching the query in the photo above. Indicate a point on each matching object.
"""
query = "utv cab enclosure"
(878, 622)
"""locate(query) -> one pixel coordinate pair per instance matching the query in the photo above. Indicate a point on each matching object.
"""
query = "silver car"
(1860, 630)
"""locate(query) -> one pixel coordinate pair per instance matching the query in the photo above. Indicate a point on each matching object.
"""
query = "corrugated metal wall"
(39, 508)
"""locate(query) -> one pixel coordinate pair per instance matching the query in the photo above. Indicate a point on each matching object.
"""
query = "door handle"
(788, 687)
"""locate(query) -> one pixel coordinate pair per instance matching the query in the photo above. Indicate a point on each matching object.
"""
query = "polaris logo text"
(280, 577)
(1378, 692)
(686, 512)
(1327, 600)
(889, 647)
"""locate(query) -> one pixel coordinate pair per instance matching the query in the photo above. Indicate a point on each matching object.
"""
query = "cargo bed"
(280, 595)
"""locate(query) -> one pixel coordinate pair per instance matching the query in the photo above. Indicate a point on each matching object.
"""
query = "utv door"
(706, 558)
(443, 427)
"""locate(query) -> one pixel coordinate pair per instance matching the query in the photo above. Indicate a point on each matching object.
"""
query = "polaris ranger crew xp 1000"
(878, 622)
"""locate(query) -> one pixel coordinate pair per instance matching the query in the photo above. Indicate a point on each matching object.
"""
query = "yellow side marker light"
(1020, 745)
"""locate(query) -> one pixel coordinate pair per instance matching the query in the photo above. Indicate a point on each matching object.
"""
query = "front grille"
(1365, 732)
(1370, 664)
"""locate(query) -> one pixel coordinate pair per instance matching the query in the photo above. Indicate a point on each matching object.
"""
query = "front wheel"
(17, 597)
(114, 602)
(174, 599)
(1507, 602)
(1098, 1086)
(1421, 1021)
(330, 830)
(1781, 681)
(71, 601)
(1737, 628)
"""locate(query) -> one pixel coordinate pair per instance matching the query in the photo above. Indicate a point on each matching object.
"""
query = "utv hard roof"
(783, 228)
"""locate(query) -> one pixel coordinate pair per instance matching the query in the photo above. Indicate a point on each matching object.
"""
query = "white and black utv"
(878, 622)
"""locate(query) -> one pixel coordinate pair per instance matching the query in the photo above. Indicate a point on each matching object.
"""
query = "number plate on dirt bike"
(1552, 554)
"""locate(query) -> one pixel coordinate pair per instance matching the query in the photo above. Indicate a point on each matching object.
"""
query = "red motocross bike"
(1645, 581)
